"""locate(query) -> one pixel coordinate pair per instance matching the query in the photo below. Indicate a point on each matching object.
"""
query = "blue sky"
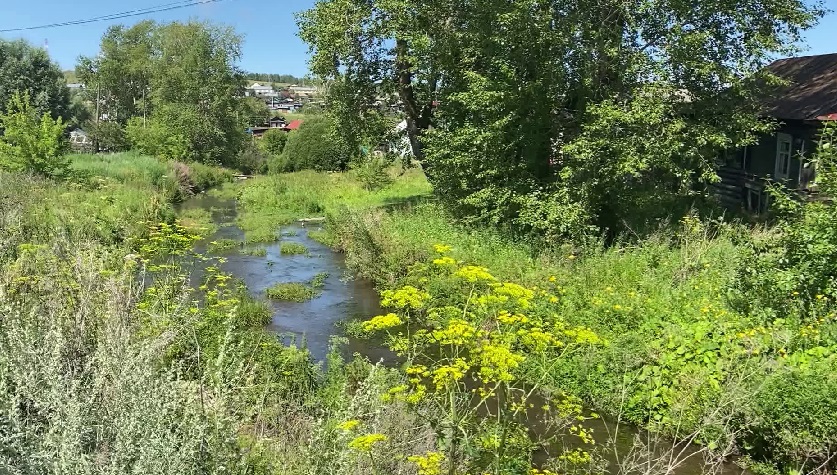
(271, 44)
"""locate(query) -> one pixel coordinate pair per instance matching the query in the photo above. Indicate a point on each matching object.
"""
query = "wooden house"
(809, 98)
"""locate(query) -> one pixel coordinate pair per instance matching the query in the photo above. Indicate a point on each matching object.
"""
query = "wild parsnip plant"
(478, 351)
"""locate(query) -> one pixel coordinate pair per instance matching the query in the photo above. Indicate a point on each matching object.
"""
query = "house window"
(784, 151)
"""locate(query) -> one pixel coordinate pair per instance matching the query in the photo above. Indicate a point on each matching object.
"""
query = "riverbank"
(684, 356)
(109, 357)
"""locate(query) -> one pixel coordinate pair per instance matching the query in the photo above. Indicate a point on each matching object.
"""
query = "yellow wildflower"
(450, 374)
(475, 273)
(381, 322)
(348, 425)
(405, 297)
(441, 248)
(444, 261)
(364, 443)
(429, 463)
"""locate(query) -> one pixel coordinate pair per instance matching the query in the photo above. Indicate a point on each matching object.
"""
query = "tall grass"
(176, 180)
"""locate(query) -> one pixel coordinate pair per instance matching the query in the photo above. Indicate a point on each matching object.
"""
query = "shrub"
(251, 160)
(372, 171)
(29, 144)
(315, 146)
(273, 141)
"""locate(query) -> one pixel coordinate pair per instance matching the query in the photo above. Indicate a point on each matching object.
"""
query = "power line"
(116, 16)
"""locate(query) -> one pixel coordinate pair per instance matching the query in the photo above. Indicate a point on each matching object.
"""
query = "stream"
(313, 324)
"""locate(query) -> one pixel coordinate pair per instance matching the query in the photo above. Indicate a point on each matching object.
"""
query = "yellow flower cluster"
(429, 463)
(441, 248)
(382, 322)
(497, 362)
(458, 332)
(536, 471)
(509, 319)
(444, 261)
(348, 425)
(475, 274)
(405, 297)
(364, 443)
(450, 374)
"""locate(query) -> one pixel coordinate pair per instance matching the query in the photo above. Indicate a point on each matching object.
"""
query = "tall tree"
(119, 77)
(556, 114)
(28, 70)
(176, 86)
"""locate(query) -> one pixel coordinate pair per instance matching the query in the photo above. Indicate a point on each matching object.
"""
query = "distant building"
(308, 90)
(293, 125)
(75, 85)
(258, 90)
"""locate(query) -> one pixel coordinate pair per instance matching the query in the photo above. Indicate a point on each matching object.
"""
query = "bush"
(251, 160)
(29, 144)
(273, 141)
(372, 172)
(315, 146)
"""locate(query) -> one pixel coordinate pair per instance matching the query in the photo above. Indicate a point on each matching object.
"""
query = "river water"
(312, 323)
(315, 322)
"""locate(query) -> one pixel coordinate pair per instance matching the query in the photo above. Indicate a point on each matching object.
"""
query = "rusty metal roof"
(812, 92)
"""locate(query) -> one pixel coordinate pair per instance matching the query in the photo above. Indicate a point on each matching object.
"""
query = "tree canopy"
(176, 86)
(557, 115)
(28, 70)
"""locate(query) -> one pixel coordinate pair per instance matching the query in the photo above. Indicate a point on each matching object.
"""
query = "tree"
(560, 111)
(273, 141)
(176, 87)
(28, 70)
(32, 142)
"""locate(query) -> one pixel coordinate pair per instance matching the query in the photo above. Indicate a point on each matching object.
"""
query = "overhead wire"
(116, 16)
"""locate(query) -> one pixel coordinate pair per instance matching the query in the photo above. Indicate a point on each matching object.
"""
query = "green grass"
(268, 202)
(292, 248)
(176, 181)
(318, 282)
(198, 221)
(291, 292)
(256, 251)
(223, 245)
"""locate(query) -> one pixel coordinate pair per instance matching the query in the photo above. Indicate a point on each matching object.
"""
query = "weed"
(222, 245)
(292, 248)
(256, 251)
(291, 292)
(318, 282)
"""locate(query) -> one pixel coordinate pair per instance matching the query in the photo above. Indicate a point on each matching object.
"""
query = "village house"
(258, 90)
(809, 98)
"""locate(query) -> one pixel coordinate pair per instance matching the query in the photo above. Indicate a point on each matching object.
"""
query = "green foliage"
(291, 292)
(291, 248)
(177, 88)
(27, 70)
(110, 136)
(251, 160)
(273, 141)
(541, 116)
(32, 143)
(222, 245)
(373, 171)
(314, 146)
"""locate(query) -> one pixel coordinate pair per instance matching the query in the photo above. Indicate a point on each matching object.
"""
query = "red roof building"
(293, 125)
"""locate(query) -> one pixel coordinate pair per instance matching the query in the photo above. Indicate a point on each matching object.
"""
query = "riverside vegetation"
(709, 331)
